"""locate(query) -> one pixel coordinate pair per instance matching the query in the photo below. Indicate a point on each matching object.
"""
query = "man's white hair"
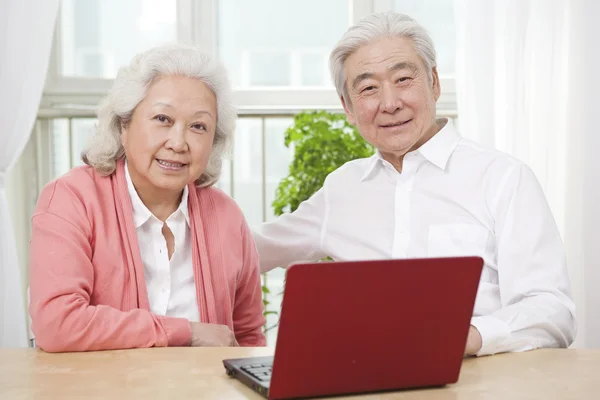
(374, 27)
(131, 86)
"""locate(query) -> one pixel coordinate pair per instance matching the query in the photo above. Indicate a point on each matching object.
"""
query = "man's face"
(391, 99)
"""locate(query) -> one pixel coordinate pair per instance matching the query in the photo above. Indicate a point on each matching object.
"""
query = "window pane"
(286, 46)
(81, 131)
(59, 139)
(275, 282)
(277, 161)
(437, 16)
(247, 169)
(99, 36)
(66, 149)
(277, 158)
(224, 182)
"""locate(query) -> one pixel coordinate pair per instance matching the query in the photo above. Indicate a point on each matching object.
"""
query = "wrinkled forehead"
(382, 55)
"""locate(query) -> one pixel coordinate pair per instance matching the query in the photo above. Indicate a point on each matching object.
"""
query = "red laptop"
(367, 326)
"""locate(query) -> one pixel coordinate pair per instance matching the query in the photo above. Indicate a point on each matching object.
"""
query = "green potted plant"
(322, 142)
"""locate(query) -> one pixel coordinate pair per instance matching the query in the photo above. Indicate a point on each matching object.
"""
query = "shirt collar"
(436, 150)
(440, 147)
(373, 162)
(141, 214)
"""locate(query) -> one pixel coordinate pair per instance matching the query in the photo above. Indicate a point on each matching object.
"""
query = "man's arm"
(294, 236)
(537, 308)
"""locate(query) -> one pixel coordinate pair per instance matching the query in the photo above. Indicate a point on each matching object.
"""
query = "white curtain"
(583, 207)
(26, 28)
(524, 80)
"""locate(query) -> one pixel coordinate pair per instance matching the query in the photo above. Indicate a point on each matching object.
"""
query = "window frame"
(78, 97)
(197, 24)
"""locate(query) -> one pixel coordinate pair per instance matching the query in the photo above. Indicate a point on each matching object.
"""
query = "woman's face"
(169, 139)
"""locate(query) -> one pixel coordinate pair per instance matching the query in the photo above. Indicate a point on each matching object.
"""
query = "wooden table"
(197, 373)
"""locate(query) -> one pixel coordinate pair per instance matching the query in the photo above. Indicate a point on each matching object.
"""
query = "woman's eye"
(199, 127)
(404, 79)
(162, 118)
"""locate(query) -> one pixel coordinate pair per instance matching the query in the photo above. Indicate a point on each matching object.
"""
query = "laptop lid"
(364, 326)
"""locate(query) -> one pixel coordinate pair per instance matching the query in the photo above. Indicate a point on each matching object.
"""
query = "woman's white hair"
(131, 86)
(375, 27)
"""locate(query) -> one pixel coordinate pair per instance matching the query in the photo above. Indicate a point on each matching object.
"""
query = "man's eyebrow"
(396, 67)
(361, 77)
(404, 65)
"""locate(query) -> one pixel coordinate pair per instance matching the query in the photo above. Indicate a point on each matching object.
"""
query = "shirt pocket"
(456, 240)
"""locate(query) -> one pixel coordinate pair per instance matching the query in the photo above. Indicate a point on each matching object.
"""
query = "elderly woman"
(138, 249)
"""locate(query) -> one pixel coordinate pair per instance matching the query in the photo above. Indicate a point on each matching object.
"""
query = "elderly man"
(427, 192)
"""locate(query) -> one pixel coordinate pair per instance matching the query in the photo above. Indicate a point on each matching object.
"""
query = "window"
(259, 161)
(98, 36)
(276, 53)
(68, 138)
(437, 16)
(273, 43)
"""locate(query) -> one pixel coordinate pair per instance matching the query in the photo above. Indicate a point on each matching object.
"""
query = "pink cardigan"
(87, 278)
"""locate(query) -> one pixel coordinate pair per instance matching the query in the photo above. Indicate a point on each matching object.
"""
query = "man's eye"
(367, 89)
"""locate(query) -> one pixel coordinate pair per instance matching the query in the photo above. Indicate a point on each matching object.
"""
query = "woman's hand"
(212, 335)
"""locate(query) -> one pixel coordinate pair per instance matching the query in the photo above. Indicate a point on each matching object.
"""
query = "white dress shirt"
(170, 283)
(452, 198)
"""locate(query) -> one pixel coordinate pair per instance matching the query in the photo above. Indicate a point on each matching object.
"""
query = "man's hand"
(473, 341)
(211, 335)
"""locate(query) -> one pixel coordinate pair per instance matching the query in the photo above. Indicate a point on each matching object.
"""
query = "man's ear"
(348, 111)
(437, 90)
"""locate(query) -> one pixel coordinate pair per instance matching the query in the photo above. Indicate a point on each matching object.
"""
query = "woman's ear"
(123, 135)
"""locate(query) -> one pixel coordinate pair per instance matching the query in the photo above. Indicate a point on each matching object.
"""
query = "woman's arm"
(62, 280)
(248, 318)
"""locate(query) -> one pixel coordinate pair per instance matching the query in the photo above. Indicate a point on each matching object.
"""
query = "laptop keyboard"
(262, 372)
